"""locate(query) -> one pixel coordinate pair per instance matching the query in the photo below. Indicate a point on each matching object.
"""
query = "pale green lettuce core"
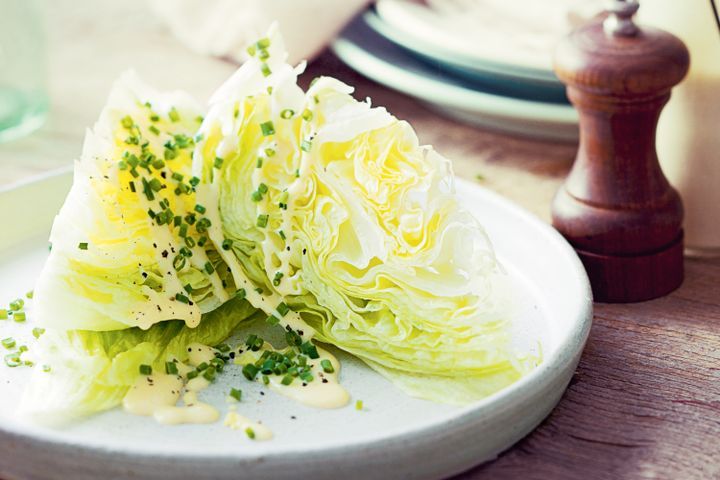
(335, 206)
(92, 371)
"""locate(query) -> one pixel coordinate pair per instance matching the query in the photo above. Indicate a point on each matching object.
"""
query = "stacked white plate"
(475, 60)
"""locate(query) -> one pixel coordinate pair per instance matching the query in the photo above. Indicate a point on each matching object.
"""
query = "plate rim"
(391, 12)
(534, 381)
(424, 87)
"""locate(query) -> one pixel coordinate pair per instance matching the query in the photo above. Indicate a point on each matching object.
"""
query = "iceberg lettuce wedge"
(335, 207)
(129, 245)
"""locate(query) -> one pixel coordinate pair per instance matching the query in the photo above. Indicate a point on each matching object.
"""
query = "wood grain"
(645, 401)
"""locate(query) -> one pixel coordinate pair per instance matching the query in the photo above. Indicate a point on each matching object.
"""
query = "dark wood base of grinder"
(622, 279)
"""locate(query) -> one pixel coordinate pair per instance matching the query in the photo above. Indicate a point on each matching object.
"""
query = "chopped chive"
(287, 379)
(8, 342)
(169, 154)
(199, 118)
(209, 268)
(173, 115)
(200, 209)
(263, 43)
(154, 117)
(272, 320)
(171, 368)
(250, 371)
(13, 360)
(259, 162)
(305, 145)
(158, 163)
(282, 234)
(256, 196)
(283, 309)
(259, 290)
(227, 244)
(269, 152)
(263, 54)
(19, 317)
(250, 433)
(236, 394)
(154, 129)
(270, 90)
(83, 245)
(265, 379)
(262, 188)
(310, 350)
(192, 374)
(177, 176)
(17, 304)
(182, 298)
(198, 138)
(3, 314)
(194, 181)
(46, 368)
(241, 293)
(145, 369)
(37, 332)
(209, 374)
(177, 219)
(122, 165)
(278, 278)
(265, 69)
(307, 115)
(251, 50)
(22, 348)
(188, 288)
(297, 173)
(267, 128)
(155, 185)
(359, 405)
(132, 186)
(262, 220)
(127, 122)
(327, 366)
(287, 114)
(202, 366)
(218, 162)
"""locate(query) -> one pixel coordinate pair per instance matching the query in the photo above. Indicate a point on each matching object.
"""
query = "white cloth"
(224, 28)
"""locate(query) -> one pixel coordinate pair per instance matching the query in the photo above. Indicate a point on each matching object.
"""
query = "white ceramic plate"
(508, 37)
(394, 436)
(379, 59)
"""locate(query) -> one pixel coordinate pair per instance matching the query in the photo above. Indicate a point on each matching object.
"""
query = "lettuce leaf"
(92, 371)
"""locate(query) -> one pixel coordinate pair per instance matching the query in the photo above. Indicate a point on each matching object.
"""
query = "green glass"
(23, 68)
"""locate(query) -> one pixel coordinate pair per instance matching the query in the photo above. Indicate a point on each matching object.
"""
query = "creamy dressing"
(199, 353)
(168, 306)
(323, 392)
(193, 411)
(238, 422)
(151, 393)
(158, 395)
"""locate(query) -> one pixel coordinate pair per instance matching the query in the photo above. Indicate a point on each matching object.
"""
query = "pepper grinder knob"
(616, 207)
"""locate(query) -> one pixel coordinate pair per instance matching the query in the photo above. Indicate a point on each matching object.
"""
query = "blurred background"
(474, 77)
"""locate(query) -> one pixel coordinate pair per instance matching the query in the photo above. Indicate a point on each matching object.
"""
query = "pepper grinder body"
(616, 207)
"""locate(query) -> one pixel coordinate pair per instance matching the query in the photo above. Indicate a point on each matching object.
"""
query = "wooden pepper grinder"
(616, 207)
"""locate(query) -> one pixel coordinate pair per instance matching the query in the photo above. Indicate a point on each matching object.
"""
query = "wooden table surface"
(645, 400)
